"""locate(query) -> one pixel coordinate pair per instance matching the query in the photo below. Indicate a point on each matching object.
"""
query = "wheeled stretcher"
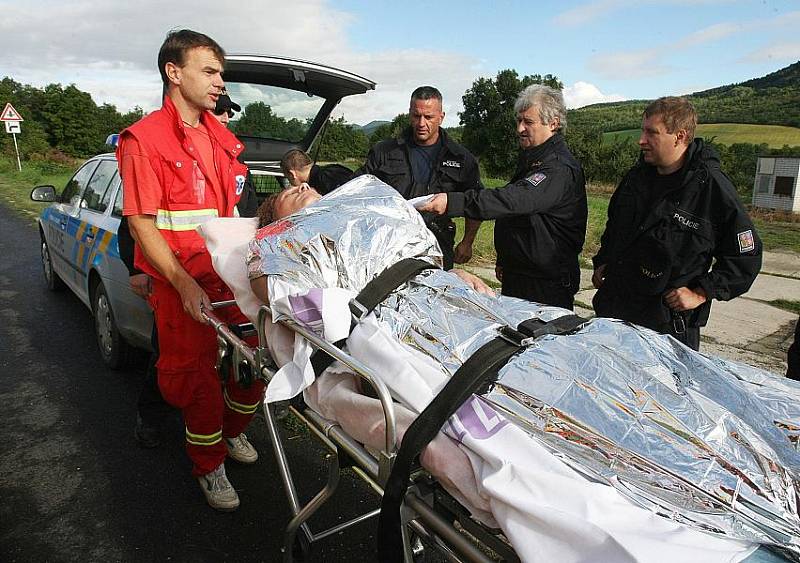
(429, 512)
(595, 436)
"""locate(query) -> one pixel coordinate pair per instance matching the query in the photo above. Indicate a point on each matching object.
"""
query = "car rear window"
(271, 112)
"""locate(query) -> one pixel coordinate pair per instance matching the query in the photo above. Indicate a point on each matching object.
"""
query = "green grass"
(729, 133)
(777, 235)
(16, 186)
(786, 305)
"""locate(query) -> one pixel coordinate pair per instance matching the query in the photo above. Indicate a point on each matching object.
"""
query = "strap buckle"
(358, 310)
(515, 337)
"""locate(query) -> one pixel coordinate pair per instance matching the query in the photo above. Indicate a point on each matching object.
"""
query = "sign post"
(12, 120)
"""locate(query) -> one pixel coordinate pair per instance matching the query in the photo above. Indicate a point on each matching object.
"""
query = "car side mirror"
(44, 193)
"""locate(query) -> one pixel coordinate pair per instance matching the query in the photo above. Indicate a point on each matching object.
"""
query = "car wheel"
(113, 348)
(53, 282)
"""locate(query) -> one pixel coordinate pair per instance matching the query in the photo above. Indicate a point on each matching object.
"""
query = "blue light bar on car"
(113, 139)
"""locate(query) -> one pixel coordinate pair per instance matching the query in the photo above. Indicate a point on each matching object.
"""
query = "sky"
(602, 50)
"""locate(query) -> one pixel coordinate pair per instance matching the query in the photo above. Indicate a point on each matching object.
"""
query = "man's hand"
(474, 282)
(498, 272)
(194, 299)
(141, 285)
(437, 205)
(599, 276)
(685, 299)
(463, 252)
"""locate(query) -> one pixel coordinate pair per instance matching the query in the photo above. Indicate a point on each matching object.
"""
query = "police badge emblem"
(536, 179)
(747, 242)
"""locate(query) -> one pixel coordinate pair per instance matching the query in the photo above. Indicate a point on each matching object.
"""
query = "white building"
(776, 183)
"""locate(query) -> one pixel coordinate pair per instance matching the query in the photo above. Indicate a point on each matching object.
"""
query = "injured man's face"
(294, 199)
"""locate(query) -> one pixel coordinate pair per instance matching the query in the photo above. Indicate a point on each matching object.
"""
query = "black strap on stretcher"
(372, 295)
(474, 376)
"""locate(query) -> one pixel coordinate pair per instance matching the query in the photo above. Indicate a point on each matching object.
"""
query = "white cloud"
(628, 64)
(711, 33)
(785, 52)
(109, 49)
(648, 62)
(587, 13)
(583, 94)
(398, 73)
(590, 11)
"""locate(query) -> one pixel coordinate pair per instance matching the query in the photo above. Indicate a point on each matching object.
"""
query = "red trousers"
(189, 380)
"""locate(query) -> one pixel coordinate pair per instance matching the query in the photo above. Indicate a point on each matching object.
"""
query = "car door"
(133, 314)
(61, 228)
(92, 231)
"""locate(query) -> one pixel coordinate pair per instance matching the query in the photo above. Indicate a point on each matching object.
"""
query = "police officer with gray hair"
(541, 214)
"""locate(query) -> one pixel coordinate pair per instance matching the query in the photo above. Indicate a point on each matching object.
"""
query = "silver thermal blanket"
(697, 439)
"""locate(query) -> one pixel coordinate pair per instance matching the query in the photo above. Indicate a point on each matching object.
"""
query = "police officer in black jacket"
(672, 216)
(298, 168)
(426, 161)
(541, 214)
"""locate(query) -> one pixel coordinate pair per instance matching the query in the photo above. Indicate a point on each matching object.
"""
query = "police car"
(79, 250)
(286, 103)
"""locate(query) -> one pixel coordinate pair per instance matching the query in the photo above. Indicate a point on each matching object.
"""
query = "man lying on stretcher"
(582, 439)
(295, 198)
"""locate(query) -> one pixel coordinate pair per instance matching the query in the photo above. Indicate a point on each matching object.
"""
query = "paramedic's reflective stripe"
(239, 407)
(203, 439)
(189, 220)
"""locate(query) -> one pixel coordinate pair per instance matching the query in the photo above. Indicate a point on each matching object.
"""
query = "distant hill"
(774, 136)
(370, 127)
(773, 99)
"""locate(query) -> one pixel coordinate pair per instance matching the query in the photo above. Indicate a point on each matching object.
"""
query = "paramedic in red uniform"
(179, 168)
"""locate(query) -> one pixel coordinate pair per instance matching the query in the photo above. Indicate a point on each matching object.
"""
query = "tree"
(390, 130)
(341, 140)
(32, 141)
(489, 121)
(259, 120)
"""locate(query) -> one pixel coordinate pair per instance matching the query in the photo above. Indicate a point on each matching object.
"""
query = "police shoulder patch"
(536, 179)
(747, 242)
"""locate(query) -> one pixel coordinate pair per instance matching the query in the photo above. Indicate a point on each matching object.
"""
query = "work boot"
(239, 449)
(147, 436)
(219, 492)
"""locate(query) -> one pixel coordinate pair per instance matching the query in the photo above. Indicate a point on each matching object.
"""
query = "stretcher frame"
(428, 511)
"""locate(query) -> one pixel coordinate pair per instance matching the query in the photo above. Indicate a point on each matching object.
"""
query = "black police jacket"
(328, 177)
(541, 214)
(657, 242)
(456, 169)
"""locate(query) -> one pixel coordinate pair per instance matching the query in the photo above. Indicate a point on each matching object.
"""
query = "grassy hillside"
(776, 136)
(769, 100)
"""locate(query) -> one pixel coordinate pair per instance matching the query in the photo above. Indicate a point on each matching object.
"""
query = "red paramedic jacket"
(175, 179)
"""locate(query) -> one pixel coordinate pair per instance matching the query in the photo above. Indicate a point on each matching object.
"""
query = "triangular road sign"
(10, 114)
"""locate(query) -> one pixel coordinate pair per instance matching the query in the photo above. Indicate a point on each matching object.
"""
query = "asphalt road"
(74, 486)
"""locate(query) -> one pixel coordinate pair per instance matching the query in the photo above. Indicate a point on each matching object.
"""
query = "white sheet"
(547, 510)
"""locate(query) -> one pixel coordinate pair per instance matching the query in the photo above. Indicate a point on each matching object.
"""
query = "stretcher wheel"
(113, 348)
(51, 279)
